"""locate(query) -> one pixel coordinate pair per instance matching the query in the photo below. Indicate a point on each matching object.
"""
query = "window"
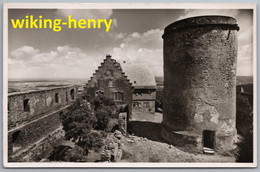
(146, 105)
(67, 99)
(111, 84)
(26, 106)
(72, 94)
(137, 104)
(57, 98)
(99, 92)
(118, 96)
(8, 107)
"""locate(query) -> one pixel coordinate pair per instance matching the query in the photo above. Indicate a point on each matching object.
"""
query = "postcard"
(129, 85)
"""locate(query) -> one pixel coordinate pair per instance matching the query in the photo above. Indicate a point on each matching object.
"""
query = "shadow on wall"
(146, 129)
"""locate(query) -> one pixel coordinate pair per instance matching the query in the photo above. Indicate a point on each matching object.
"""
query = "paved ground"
(146, 116)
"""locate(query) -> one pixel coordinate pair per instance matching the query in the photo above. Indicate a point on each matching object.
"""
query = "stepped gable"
(116, 64)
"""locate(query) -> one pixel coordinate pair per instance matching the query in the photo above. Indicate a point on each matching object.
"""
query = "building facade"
(110, 81)
(143, 79)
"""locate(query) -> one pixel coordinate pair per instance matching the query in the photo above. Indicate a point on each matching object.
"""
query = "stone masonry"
(200, 57)
(33, 116)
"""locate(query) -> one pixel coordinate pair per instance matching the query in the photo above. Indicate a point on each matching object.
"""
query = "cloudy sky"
(135, 36)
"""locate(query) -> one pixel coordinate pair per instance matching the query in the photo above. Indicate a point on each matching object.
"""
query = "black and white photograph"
(129, 85)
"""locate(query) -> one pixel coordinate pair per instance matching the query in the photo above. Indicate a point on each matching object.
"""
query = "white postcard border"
(7, 6)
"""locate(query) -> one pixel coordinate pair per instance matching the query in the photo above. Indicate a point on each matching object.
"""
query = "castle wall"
(200, 80)
(37, 103)
(41, 116)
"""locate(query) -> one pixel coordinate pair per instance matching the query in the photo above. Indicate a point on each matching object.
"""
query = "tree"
(76, 154)
(244, 123)
(105, 110)
(78, 125)
(245, 146)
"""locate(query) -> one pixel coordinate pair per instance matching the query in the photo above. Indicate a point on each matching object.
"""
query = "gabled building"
(143, 79)
(110, 81)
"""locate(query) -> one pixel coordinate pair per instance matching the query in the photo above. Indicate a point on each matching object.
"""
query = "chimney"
(124, 61)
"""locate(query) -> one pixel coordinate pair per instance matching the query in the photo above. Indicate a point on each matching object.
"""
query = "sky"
(135, 36)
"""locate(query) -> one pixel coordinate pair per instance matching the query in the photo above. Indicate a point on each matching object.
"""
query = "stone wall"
(36, 152)
(112, 151)
(30, 123)
(27, 106)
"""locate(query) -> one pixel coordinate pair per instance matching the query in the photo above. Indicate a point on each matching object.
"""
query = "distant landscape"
(27, 85)
(241, 80)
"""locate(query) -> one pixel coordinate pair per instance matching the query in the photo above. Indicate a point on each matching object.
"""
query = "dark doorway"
(208, 139)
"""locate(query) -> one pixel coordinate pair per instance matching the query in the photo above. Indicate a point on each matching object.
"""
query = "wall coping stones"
(35, 91)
